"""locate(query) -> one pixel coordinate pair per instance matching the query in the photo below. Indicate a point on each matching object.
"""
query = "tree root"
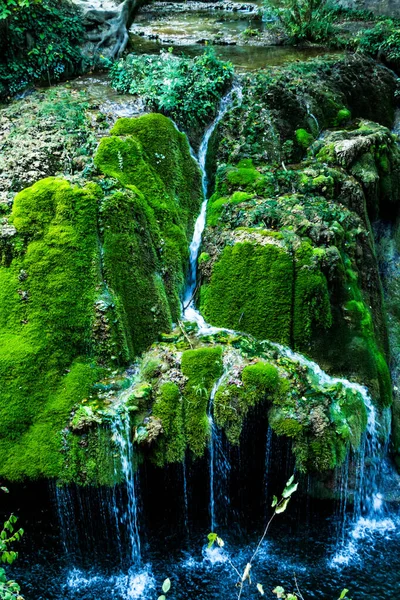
(110, 29)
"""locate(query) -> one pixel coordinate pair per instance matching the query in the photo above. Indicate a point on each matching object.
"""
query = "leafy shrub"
(188, 90)
(9, 589)
(302, 19)
(382, 40)
(39, 42)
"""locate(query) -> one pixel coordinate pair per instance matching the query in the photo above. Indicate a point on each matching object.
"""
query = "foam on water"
(134, 585)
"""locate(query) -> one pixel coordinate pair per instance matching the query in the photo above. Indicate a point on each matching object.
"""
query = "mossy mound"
(284, 108)
(89, 278)
(149, 156)
(228, 375)
(290, 253)
(46, 317)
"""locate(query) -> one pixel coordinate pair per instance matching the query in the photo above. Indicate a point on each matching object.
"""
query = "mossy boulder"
(90, 277)
(227, 375)
(292, 257)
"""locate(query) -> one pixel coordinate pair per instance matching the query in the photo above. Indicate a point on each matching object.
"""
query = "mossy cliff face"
(170, 398)
(152, 159)
(288, 253)
(284, 108)
(89, 278)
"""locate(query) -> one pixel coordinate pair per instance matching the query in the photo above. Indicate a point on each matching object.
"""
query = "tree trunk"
(110, 28)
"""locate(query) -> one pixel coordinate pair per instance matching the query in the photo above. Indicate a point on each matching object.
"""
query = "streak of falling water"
(267, 464)
(122, 436)
(185, 496)
(190, 313)
(219, 462)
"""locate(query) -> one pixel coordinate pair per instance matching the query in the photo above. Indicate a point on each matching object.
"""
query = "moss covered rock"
(228, 375)
(90, 277)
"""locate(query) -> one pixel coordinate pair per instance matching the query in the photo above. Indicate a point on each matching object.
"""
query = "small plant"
(302, 19)
(9, 589)
(249, 32)
(166, 586)
(279, 506)
(188, 90)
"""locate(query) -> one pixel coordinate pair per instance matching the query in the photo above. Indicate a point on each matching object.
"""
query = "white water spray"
(122, 436)
(190, 313)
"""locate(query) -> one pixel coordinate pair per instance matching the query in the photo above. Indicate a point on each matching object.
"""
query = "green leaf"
(289, 490)
(260, 589)
(290, 481)
(212, 538)
(166, 586)
(274, 501)
(343, 594)
(279, 591)
(291, 597)
(162, 597)
(282, 506)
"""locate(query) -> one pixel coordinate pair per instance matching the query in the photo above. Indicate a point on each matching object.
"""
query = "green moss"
(322, 423)
(232, 403)
(203, 258)
(343, 115)
(216, 205)
(250, 290)
(261, 376)
(304, 138)
(243, 175)
(311, 309)
(202, 367)
(169, 409)
(91, 459)
(155, 159)
(131, 264)
(260, 289)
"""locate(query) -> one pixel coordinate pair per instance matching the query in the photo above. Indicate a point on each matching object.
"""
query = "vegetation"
(40, 42)
(9, 589)
(68, 311)
(187, 90)
(302, 19)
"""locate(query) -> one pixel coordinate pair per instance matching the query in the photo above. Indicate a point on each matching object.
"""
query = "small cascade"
(313, 117)
(366, 496)
(122, 436)
(185, 497)
(66, 516)
(220, 465)
(190, 313)
(267, 464)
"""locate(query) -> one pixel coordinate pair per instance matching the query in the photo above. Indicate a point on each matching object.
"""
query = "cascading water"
(190, 313)
(122, 436)
(368, 507)
(219, 462)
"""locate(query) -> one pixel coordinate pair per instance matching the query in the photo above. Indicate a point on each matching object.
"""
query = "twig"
(185, 306)
(297, 587)
(185, 335)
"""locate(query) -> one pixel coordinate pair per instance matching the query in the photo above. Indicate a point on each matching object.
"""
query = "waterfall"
(122, 436)
(267, 462)
(219, 462)
(366, 494)
(185, 496)
(190, 313)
